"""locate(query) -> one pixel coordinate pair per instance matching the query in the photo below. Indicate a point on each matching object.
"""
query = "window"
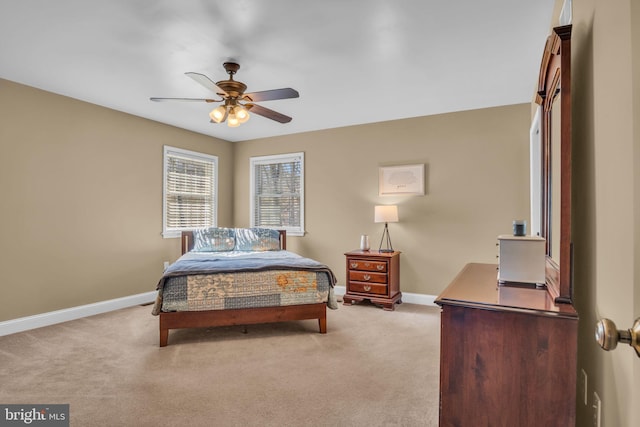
(277, 192)
(189, 192)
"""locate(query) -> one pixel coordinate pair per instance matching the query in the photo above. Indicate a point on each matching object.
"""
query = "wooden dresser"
(508, 354)
(373, 276)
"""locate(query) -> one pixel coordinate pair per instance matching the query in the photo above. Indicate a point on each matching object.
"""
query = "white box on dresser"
(522, 259)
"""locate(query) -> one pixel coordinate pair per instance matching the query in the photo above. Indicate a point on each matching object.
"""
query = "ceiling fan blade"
(270, 95)
(269, 114)
(186, 99)
(206, 82)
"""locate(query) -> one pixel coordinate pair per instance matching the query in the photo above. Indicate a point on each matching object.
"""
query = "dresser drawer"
(368, 288)
(365, 276)
(367, 265)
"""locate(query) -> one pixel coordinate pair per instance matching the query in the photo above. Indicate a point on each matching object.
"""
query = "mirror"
(554, 223)
(554, 98)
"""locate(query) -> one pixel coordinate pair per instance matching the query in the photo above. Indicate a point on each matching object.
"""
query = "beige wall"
(81, 215)
(635, 66)
(477, 176)
(606, 213)
(82, 194)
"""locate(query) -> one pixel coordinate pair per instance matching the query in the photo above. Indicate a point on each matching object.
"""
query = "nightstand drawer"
(365, 276)
(366, 265)
(368, 288)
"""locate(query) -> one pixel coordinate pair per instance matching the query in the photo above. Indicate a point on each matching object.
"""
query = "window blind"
(278, 192)
(190, 190)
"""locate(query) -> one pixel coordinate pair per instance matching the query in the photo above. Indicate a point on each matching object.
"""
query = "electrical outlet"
(583, 387)
(597, 410)
(166, 265)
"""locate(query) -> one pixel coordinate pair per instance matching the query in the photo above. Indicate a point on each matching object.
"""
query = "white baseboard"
(407, 297)
(51, 318)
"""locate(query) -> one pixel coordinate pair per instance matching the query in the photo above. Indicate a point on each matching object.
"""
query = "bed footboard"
(245, 316)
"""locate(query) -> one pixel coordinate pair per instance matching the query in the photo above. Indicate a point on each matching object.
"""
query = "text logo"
(34, 415)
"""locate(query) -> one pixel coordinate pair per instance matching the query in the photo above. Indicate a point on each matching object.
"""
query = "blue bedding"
(234, 261)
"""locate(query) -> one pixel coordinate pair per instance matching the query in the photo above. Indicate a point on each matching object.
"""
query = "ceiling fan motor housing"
(233, 88)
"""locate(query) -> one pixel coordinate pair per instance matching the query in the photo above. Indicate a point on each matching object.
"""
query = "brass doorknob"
(608, 335)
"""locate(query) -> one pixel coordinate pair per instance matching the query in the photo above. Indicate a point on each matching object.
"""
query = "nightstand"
(373, 276)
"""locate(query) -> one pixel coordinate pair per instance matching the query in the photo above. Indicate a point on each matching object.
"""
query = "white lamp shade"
(386, 213)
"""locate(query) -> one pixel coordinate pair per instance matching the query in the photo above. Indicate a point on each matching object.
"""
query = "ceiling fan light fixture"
(232, 120)
(241, 113)
(218, 114)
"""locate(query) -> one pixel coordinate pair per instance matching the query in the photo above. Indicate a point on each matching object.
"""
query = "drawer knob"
(367, 277)
(354, 265)
(367, 288)
(380, 267)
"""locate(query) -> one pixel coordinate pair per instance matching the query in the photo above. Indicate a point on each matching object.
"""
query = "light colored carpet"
(372, 368)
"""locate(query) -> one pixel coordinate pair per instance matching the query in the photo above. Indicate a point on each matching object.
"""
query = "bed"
(241, 276)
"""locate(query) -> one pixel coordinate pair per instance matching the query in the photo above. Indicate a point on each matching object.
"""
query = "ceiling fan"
(236, 104)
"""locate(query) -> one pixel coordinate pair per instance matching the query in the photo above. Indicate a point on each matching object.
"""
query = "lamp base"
(385, 234)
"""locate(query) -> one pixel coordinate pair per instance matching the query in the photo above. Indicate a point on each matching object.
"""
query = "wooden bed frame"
(244, 316)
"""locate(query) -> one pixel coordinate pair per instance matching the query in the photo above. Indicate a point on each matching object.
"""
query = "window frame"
(272, 159)
(168, 152)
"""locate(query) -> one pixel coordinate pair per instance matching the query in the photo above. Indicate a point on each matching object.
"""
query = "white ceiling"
(353, 61)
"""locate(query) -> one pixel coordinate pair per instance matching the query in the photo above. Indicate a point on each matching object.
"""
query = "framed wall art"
(401, 180)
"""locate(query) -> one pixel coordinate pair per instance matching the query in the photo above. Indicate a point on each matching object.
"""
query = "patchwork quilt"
(243, 279)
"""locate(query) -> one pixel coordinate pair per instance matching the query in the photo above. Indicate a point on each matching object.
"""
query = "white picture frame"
(401, 180)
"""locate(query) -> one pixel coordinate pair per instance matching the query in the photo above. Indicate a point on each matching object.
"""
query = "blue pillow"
(257, 239)
(214, 239)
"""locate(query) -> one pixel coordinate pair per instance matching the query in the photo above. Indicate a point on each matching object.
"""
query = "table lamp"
(386, 214)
